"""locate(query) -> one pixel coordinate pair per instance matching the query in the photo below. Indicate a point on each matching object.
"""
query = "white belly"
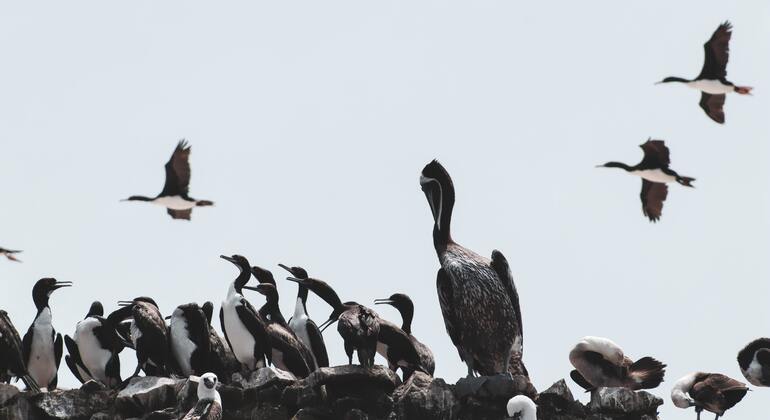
(754, 372)
(41, 364)
(136, 333)
(298, 324)
(92, 354)
(655, 175)
(240, 338)
(181, 345)
(713, 87)
(174, 203)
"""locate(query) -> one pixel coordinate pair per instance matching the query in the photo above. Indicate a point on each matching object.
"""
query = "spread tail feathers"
(685, 180)
(647, 372)
(744, 90)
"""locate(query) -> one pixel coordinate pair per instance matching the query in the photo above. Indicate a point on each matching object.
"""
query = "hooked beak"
(383, 302)
(226, 258)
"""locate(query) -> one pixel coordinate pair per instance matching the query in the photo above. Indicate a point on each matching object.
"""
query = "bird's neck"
(619, 165)
(139, 198)
(407, 314)
(241, 280)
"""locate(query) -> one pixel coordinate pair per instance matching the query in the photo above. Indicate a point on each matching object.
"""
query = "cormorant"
(305, 328)
(405, 307)
(42, 345)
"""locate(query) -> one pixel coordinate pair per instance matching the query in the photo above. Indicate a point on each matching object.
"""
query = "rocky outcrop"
(343, 392)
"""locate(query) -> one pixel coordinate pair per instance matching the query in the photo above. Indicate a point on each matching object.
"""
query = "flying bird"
(655, 173)
(8, 253)
(42, 345)
(478, 297)
(754, 361)
(712, 392)
(175, 195)
(712, 80)
(599, 362)
(209, 405)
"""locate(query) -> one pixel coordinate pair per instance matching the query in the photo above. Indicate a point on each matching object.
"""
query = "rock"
(93, 386)
(72, 404)
(147, 394)
(624, 401)
(423, 397)
(264, 377)
(558, 403)
(497, 387)
(345, 375)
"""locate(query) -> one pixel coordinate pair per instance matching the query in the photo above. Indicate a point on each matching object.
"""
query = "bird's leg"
(469, 362)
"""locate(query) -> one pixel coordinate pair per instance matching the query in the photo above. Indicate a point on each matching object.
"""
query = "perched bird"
(358, 325)
(244, 328)
(305, 328)
(42, 345)
(93, 353)
(190, 339)
(174, 196)
(478, 297)
(712, 392)
(8, 253)
(12, 362)
(405, 307)
(222, 361)
(754, 361)
(521, 407)
(712, 80)
(287, 351)
(599, 362)
(655, 174)
(149, 335)
(209, 405)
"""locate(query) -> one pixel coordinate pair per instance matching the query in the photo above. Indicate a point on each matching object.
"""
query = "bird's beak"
(295, 280)
(284, 267)
(60, 284)
(167, 317)
(383, 302)
(658, 83)
(326, 324)
(226, 258)
(125, 302)
(599, 166)
(256, 289)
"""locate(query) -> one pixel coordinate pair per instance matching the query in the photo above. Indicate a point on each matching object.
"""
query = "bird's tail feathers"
(744, 90)
(647, 372)
(686, 181)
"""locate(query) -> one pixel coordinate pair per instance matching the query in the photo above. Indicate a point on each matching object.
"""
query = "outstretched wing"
(717, 52)
(656, 154)
(500, 265)
(180, 214)
(653, 195)
(446, 302)
(713, 105)
(178, 171)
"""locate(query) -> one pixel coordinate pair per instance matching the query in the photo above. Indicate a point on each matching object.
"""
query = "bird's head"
(262, 275)
(96, 309)
(43, 289)
(521, 407)
(207, 387)
(325, 292)
(297, 272)
(438, 188)
(238, 260)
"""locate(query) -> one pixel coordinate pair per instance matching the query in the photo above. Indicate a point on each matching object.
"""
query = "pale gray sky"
(310, 123)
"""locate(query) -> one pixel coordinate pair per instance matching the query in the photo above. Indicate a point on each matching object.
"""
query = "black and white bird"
(93, 353)
(358, 325)
(149, 335)
(12, 361)
(42, 345)
(222, 361)
(209, 405)
(305, 328)
(754, 361)
(712, 80)
(9, 253)
(288, 353)
(712, 392)
(655, 173)
(190, 339)
(175, 195)
(521, 407)
(245, 330)
(405, 307)
(599, 362)
(478, 297)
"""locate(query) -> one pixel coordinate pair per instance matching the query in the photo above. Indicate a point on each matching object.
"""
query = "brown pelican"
(712, 392)
(599, 362)
(754, 361)
(712, 80)
(478, 298)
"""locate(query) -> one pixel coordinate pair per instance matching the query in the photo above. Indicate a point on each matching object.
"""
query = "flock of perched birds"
(478, 299)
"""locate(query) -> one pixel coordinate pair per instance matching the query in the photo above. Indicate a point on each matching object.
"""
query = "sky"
(310, 123)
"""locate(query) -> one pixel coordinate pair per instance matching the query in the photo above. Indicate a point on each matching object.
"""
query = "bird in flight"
(8, 253)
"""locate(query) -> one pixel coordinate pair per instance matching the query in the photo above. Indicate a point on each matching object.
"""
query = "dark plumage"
(358, 325)
(175, 195)
(712, 392)
(712, 80)
(599, 362)
(190, 340)
(655, 173)
(9, 253)
(305, 328)
(222, 361)
(93, 353)
(754, 361)
(478, 297)
(405, 307)
(12, 361)
(149, 335)
(41, 344)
